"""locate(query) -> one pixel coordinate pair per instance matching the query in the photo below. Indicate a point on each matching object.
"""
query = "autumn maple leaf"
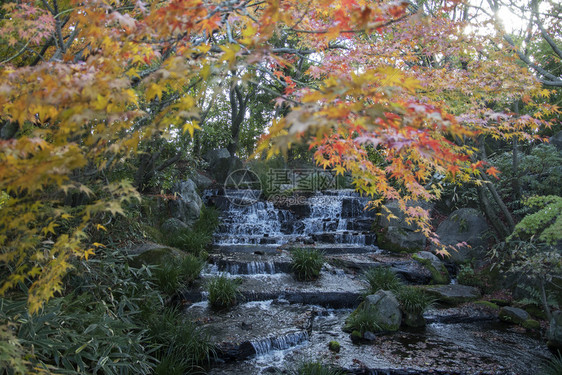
(492, 171)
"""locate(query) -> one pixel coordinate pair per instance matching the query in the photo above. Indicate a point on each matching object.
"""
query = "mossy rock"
(439, 273)
(356, 337)
(413, 320)
(514, 315)
(531, 324)
(153, 254)
(487, 304)
(452, 294)
(535, 311)
(334, 346)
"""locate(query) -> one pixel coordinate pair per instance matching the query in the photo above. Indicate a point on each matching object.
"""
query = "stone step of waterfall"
(331, 290)
(248, 264)
(267, 249)
(249, 260)
(255, 236)
(409, 270)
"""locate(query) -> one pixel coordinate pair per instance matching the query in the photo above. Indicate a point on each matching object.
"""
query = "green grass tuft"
(413, 300)
(307, 264)
(382, 278)
(223, 292)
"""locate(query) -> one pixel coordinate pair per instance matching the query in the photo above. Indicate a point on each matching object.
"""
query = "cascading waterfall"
(287, 341)
(331, 217)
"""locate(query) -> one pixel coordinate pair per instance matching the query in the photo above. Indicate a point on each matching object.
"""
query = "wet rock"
(513, 315)
(413, 320)
(453, 294)
(412, 272)
(437, 269)
(229, 351)
(554, 333)
(369, 336)
(464, 225)
(187, 206)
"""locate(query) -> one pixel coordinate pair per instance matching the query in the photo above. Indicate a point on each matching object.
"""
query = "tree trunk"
(486, 207)
(238, 106)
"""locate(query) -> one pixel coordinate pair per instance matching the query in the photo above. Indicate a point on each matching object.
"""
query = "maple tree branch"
(383, 24)
(552, 79)
(549, 39)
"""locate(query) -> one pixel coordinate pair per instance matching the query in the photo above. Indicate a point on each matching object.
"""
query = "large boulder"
(385, 310)
(187, 205)
(172, 227)
(396, 234)
(222, 164)
(554, 333)
(439, 273)
(153, 254)
(464, 225)
(453, 294)
(201, 181)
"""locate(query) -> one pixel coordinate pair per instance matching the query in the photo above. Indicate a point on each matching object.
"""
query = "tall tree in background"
(82, 84)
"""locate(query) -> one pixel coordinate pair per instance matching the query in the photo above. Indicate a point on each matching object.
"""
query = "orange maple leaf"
(492, 171)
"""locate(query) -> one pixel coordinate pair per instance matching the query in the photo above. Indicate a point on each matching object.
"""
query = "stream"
(282, 322)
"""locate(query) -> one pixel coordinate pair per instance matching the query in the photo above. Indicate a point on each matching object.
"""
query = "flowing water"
(282, 322)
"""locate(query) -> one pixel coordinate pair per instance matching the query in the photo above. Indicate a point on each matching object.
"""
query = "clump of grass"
(553, 366)
(183, 347)
(167, 277)
(362, 320)
(190, 268)
(315, 368)
(196, 240)
(223, 292)
(413, 300)
(173, 273)
(307, 264)
(382, 278)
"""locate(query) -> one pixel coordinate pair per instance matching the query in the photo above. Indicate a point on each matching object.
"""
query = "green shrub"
(381, 278)
(307, 264)
(223, 292)
(413, 300)
(208, 220)
(79, 335)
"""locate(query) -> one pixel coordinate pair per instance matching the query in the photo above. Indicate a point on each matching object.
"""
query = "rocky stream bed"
(281, 322)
